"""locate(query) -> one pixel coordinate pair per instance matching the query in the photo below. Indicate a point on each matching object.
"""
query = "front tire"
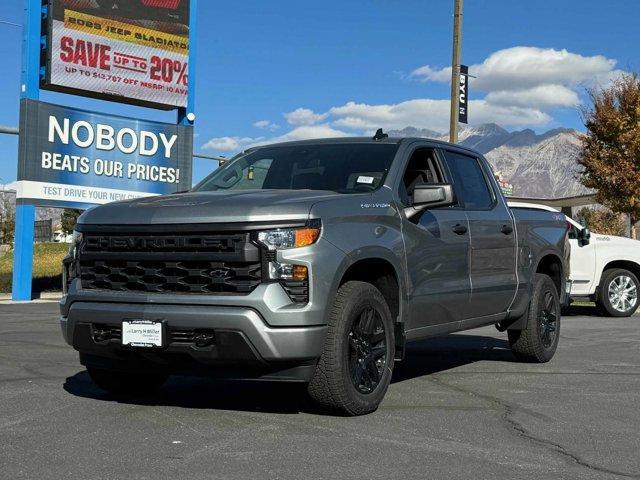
(126, 383)
(618, 292)
(355, 368)
(538, 342)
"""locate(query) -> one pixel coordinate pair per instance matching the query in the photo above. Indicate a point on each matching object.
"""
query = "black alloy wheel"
(538, 340)
(367, 350)
(356, 365)
(547, 319)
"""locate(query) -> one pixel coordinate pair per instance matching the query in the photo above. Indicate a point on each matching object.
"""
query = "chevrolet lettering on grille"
(159, 243)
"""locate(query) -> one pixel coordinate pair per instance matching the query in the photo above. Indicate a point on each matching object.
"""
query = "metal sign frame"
(33, 46)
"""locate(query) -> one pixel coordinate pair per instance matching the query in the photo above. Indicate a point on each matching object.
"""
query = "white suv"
(605, 268)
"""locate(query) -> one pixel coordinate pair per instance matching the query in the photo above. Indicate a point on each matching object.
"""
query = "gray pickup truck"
(314, 261)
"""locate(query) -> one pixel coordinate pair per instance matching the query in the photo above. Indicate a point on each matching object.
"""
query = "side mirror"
(430, 195)
(584, 236)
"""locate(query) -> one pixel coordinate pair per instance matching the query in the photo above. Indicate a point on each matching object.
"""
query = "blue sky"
(345, 67)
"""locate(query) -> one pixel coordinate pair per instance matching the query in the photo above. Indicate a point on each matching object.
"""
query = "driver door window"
(421, 169)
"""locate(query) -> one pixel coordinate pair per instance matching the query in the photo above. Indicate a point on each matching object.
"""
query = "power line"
(6, 22)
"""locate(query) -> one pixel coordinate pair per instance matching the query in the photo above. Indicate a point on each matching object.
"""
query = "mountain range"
(537, 165)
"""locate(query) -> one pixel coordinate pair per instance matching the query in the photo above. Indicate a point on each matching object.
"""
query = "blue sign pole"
(26, 214)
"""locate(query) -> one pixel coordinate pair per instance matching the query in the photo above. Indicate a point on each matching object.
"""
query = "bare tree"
(603, 221)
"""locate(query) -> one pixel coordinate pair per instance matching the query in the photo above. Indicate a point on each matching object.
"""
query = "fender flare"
(379, 253)
(518, 320)
(375, 253)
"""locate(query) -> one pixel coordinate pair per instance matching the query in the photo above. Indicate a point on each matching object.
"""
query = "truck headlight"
(69, 266)
(286, 238)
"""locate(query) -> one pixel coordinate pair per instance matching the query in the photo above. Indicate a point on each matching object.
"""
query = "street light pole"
(455, 71)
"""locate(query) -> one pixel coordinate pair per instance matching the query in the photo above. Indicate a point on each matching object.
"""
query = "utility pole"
(455, 71)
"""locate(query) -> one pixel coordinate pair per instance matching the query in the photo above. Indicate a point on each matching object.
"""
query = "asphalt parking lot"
(460, 407)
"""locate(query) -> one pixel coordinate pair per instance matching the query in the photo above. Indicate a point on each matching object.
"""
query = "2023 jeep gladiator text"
(311, 261)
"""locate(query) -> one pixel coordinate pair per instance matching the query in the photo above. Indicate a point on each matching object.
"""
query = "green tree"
(7, 219)
(611, 147)
(69, 219)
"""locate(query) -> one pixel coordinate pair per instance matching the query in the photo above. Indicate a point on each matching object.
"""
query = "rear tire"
(126, 383)
(355, 368)
(618, 293)
(538, 342)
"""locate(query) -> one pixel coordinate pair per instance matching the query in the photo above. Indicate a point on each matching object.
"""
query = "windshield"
(342, 168)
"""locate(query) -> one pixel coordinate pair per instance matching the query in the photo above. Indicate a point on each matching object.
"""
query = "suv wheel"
(355, 368)
(122, 382)
(618, 292)
(537, 343)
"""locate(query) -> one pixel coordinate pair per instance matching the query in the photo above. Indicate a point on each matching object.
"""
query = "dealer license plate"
(142, 333)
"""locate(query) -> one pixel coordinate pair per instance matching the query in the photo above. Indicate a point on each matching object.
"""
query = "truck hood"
(210, 207)
(613, 240)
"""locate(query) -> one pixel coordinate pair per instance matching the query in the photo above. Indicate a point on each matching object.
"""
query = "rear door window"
(472, 181)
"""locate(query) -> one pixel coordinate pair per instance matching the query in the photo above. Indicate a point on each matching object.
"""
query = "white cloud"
(305, 132)
(429, 74)
(431, 114)
(229, 144)
(543, 96)
(518, 68)
(304, 116)
(522, 67)
(542, 78)
(604, 80)
(266, 125)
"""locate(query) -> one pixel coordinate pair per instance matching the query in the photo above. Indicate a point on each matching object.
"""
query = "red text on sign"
(87, 54)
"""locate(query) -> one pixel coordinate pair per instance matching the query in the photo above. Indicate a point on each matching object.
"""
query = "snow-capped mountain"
(537, 165)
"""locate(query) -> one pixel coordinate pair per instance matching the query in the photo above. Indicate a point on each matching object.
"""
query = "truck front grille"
(189, 263)
(173, 277)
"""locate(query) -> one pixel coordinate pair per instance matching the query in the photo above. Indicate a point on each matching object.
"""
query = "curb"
(45, 297)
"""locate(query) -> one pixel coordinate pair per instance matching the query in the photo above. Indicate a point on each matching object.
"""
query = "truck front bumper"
(243, 346)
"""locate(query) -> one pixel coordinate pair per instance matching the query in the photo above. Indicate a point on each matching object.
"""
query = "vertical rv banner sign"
(73, 157)
(463, 92)
(124, 50)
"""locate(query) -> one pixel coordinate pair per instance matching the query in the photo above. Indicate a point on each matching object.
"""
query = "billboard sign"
(133, 51)
(463, 101)
(70, 157)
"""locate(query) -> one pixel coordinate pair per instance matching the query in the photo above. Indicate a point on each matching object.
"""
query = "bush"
(47, 267)
(603, 221)
(7, 220)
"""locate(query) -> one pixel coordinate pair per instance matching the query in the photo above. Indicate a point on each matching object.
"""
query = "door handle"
(459, 229)
(507, 229)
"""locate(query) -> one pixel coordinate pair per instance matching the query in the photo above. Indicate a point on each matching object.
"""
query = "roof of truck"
(537, 206)
(366, 140)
